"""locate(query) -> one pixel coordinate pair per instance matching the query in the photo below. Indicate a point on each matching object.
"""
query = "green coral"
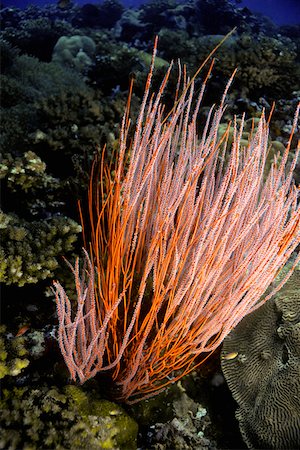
(63, 419)
(12, 354)
(265, 59)
(46, 107)
(266, 65)
(69, 121)
(34, 225)
(30, 250)
(27, 172)
(36, 35)
(25, 80)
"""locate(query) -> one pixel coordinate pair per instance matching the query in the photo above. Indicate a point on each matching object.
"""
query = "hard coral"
(13, 354)
(30, 250)
(268, 342)
(74, 51)
(53, 418)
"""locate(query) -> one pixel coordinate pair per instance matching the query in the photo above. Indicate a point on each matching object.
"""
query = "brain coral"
(261, 363)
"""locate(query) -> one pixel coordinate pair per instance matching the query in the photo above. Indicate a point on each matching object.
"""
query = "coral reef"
(37, 229)
(53, 118)
(13, 354)
(27, 172)
(53, 418)
(36, 35)
(264, 63)
(30, 250)
(94, 16)
(264, 56)
(74, 51)
(187, 430)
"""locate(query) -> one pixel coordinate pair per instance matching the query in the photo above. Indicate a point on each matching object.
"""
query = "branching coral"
(183, 245)
(30, 250)
(27, 172)
(13, 354)
(62, 419)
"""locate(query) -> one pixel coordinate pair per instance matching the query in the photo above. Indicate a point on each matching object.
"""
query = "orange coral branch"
(184, 243)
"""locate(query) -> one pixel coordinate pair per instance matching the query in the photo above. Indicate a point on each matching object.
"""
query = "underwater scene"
(150, 224)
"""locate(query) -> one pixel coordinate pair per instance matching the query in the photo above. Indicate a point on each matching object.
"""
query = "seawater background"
(282, 12)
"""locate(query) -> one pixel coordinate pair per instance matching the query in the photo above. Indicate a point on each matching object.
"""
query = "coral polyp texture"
(267, 343)
(187, 234)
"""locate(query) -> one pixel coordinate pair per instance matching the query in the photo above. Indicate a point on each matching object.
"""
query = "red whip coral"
(187, 234)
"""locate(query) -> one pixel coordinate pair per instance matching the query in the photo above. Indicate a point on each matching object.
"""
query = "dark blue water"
(281, 12)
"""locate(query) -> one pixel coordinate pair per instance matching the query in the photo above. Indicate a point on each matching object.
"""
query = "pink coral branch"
(185, 242)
